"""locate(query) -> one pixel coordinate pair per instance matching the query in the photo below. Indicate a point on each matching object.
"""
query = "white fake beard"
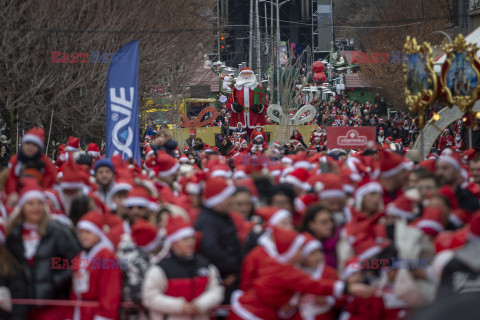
(249, 83)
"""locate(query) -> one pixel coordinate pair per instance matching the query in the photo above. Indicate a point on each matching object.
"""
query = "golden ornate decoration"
(421, 86)
(460, 74)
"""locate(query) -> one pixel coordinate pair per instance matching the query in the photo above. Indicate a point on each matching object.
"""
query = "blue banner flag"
(122, 132)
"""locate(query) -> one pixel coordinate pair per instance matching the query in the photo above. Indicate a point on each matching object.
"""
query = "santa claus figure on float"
(247, 103)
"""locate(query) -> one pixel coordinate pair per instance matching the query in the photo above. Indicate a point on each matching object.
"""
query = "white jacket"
(160, 305)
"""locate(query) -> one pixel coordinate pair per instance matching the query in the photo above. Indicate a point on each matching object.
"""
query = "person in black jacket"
(219, 242)
(33, 239)
(13, 280)
(4, 156)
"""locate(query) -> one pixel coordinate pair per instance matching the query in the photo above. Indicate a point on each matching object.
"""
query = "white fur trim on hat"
(92, 227)
(397, 212)
(240, 174)
(334, 193)
(239, 309)
(311, 246)
(136, 202)
(181, 234)
(297, 182)
(219, 198)
(366, 189)
(279, 216)
(72, 185)
(70, 148)
(33, 194)
(390, 173)
(221, 173)
(94, 154)
(156, 242)
(170, 171)
(430, 224)
(293, 249)
(33, 139)
(193, 188)
(370, 252)
(303, 164)
(449, 159)
(349, 270)
(120, 187)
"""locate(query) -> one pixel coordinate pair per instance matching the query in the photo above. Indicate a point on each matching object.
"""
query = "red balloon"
(319, 77)
(318, 66)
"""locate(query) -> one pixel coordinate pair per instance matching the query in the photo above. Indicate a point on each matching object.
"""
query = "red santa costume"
(243, 95)
(308, 308)
(267, 246)
(446, 140)
(459, 142)
(259, 129)
(97, 276)
(16, 166)
(277, 283)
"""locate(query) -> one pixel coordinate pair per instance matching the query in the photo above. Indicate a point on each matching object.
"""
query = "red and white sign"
(350, 137)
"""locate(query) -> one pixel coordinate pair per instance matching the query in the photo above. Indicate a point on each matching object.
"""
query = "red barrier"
(91, 304)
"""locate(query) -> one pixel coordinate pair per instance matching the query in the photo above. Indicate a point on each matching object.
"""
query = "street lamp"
(278, 5)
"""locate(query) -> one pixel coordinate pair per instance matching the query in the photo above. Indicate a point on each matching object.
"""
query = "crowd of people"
(252, 229)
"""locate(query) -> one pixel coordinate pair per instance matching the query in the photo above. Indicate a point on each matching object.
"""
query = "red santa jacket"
(256, 132)
(49, 175)
(274, 287)
(364, 309)
(100, 281)
(445, 142)
(308, 309)
(244, 97)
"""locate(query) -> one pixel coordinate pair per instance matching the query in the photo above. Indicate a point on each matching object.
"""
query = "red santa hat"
(391, 163)
(288, 243)
(73, 144)
(272, 215)
(366, 186)
(147, 236)
(244, 70)
(431, 156)
(93, 150)
(53, 196)
(381, 130)
(469, 154)
(450, 157)
(431, 221)
(165, 165)
(183, 159)
(192, 132)
(330, 186)
(402, 207)
(221, 170)
(252, 188)
(216, 191)
(94, 222)
(30, 190)
(311, 244)
(36, 136)
(352, 265)
(298, 178)
(448, 192)
(178, 229)
(138, 196)
(74, 176)
(148, 151)
(367, 248)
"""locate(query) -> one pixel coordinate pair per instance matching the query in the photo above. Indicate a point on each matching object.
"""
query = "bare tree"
(172, 34)
(382, 26)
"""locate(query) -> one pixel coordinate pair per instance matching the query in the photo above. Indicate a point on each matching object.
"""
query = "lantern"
(318, 66)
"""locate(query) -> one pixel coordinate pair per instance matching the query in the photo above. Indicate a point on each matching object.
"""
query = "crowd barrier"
(89, 304)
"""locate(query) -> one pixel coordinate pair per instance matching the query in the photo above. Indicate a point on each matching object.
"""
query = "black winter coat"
(43, 281)
(219, 242)
(17, 285)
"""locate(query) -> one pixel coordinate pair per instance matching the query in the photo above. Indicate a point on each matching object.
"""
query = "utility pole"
(250, 40)
(259, 47)
(218, 31)
(279, 101)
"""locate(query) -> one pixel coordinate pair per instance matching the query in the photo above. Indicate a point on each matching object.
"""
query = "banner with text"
(122, 132)
(350, 137)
